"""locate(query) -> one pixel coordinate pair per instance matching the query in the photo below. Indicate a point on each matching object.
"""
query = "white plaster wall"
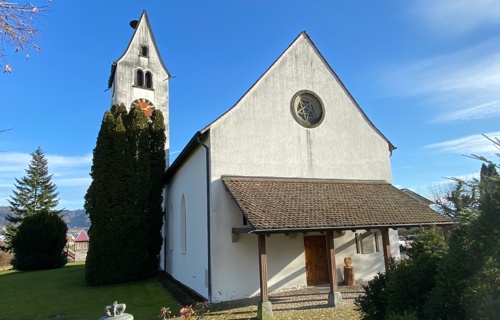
(240, 278)
(259, 137)
(190, 181)
(366, 266)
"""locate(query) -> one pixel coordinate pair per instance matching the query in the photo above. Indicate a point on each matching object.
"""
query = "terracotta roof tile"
(273, 203)
(82, 237)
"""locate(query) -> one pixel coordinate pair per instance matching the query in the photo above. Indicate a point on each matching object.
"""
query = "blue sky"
(427, 73)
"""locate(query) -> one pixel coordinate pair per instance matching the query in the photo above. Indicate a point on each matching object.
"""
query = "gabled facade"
(296, 123)
(277, 191)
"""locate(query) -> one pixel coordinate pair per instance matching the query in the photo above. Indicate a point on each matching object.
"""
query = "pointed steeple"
(139, 76)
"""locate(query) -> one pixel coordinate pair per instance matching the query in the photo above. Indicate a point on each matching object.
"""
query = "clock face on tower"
(145, 105)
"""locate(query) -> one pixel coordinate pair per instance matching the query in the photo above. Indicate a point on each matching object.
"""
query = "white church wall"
(286, 267)
(260, 137)
(190, 266)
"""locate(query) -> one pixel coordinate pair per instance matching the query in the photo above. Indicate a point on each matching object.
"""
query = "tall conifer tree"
(123, 236)
(35, 192)
(155, 212)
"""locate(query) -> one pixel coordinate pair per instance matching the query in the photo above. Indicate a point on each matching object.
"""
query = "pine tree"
(124, 235)
(33, 193)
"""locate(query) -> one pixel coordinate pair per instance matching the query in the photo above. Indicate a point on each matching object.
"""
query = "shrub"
(412, 280)
(373, 303)
(404, 288)
(407, 315)
(39, 242)
(191, 312)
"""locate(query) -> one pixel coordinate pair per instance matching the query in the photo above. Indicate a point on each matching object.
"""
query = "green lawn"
(62, 294)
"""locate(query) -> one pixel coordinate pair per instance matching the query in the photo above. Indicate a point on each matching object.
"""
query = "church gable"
(140, 72)
(141, 45)
(139, 77)
(298, 120)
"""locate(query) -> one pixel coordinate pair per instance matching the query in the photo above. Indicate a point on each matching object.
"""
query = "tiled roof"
(276, 204)
(82, 237)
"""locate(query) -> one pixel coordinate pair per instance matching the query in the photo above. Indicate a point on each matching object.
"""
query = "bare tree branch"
(19, 28)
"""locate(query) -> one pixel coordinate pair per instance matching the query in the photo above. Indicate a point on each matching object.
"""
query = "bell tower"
(139, 76)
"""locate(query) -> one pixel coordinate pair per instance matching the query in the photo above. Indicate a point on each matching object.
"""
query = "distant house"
(70, 240)
(69, 249)
(81, 246)
(3, 246)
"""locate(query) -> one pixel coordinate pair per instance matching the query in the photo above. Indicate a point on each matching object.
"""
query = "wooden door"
(316, 260)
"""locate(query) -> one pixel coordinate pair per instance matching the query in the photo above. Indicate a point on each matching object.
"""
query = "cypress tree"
(97, 204)
(155, 212)
(123, 237)
(138, 143)
(35, 192)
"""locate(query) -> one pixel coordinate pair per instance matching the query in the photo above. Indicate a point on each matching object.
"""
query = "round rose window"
(307, 109)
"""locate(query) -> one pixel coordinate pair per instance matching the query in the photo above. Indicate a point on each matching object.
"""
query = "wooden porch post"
(264, 308)
(334, 296)
(386, 247)
(263, 268)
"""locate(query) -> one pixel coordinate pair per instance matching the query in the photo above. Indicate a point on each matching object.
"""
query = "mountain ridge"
(74, 218)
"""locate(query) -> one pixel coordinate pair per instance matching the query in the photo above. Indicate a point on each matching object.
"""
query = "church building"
(278, 190)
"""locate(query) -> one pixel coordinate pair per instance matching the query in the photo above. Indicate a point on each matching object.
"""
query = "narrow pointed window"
(139, 78)
(183, 226)
(171, 228)
(149, 80)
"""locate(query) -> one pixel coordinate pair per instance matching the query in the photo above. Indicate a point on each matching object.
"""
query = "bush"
(413, 280)
(404, 288)
(405, 316)
(39, 242)
(373, 303)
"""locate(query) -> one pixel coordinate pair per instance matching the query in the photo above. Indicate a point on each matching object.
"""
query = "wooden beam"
(263, 268)
(332, 267)
(242, 230)
(386, 247)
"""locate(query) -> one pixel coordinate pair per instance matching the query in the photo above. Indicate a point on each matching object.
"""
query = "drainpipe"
(209, 238)
(165, 229)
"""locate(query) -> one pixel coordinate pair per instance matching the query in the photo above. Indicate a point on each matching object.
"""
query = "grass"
(62, 294)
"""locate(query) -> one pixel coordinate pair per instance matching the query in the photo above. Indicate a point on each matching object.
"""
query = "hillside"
(74, 218)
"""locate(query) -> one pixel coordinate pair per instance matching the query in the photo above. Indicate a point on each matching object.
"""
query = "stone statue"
(115, 309)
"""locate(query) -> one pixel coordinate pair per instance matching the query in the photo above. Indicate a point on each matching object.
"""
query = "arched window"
(183, 226)
(170, 227)
(149, 80)
(139, 78)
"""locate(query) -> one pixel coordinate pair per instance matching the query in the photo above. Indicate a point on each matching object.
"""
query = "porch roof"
(291, 204)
